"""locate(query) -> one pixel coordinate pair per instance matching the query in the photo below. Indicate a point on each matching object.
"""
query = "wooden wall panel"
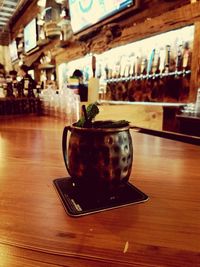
(152, 9)
(195, 68)
(132, 31)
(171, 20)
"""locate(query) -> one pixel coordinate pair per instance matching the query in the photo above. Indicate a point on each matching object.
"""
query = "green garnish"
(89, 114)
(86, 121)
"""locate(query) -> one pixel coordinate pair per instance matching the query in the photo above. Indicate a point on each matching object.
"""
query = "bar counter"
(36, 231)
(152, 115)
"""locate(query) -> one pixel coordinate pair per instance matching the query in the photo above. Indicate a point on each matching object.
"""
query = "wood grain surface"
(36, 231)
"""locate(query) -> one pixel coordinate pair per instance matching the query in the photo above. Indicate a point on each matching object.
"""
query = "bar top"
(36, 231)
(189, 116)
(162, 104)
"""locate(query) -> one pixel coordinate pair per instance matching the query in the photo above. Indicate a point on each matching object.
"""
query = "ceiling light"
(41, 3)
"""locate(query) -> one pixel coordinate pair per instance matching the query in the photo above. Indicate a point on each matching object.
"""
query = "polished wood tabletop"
(36, 231)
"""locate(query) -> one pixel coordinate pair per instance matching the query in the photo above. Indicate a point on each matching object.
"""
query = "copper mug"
(98, 154)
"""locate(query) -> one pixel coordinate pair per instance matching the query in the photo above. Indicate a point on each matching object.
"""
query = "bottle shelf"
(149, 76)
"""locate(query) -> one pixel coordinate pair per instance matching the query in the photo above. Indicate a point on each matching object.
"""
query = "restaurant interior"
(99, 133)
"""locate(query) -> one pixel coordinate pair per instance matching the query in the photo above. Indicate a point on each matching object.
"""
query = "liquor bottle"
(30, 89)
(106, 71)
(168, 88)
(150, 62)
(144, 83)
(177, 78)
(110, 71)
(131, 85)
(155, 82)
(167, 58)
(127, 69)
(162, 60)
(137, 66)
(144, 66)
(117, 70)
(109, 93)
(186, 57)
(149, 85)
(179, 58)
(26, 86)
(137, 82)
(186, 73)
(99, 70)
(132, 65)
(127, 78)
(9, 88)
(155, 63)
(123, 65)
(20, 89)
(172, 85)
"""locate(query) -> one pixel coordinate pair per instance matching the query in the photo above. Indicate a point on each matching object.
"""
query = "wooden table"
(36, 231)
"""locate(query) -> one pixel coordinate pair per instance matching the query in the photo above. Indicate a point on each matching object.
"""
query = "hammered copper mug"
(98, 154)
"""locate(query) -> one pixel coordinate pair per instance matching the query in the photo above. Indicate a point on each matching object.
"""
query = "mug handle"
(64, 146)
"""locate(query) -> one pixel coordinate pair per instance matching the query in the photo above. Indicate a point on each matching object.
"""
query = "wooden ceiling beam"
(4, 19)
(5, 14)
(10, 3)
(7, 9)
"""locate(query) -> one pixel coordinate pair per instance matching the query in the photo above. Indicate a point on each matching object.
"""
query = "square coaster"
(80, 199)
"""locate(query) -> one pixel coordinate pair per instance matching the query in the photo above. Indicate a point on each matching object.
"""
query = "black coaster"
(79, 199)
